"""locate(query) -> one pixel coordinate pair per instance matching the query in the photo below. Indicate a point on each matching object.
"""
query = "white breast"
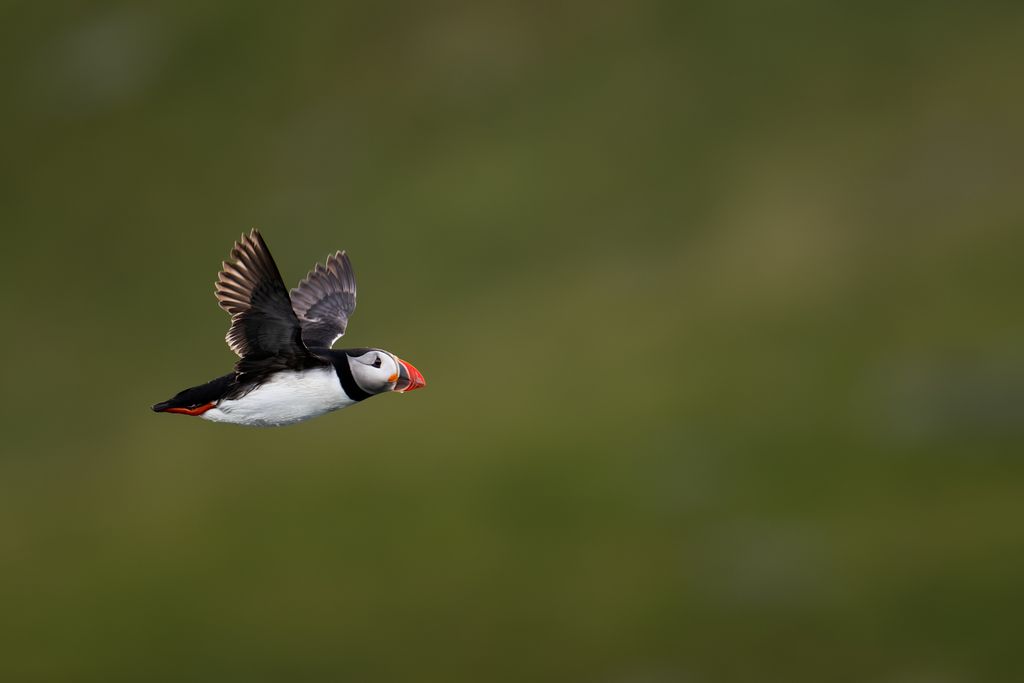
(288, 397)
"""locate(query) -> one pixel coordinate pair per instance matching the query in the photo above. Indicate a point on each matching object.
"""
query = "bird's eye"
(376, 363)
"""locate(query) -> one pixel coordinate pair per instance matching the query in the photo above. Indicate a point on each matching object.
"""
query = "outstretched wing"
(251, 290)
(324, 300)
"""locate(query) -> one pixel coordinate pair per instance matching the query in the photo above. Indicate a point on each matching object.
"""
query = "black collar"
(348, 382)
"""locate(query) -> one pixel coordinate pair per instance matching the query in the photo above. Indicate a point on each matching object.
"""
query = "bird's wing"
(324, 300)
(251, 290)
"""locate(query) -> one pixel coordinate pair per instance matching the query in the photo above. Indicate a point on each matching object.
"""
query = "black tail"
(210, 392)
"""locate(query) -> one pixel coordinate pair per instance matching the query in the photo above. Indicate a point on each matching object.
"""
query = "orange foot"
(198, 410)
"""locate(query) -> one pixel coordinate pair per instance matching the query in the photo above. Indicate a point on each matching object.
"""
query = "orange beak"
(409, 378)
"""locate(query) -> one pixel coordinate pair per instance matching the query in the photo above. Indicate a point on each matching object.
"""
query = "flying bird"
(287, 371)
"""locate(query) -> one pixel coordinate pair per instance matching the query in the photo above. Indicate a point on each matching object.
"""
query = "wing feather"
(251, 289)
(324, 300)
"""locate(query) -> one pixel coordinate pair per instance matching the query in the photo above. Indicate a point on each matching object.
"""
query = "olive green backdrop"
(719, 307)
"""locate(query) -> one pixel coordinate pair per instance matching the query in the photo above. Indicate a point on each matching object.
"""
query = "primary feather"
(324, 300)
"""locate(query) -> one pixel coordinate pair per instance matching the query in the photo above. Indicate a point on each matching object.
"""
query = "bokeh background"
(719, 305)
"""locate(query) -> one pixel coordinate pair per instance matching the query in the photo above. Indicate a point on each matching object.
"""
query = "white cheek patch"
(371, 379)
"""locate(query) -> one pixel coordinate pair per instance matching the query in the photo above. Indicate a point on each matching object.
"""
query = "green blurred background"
(719, 305)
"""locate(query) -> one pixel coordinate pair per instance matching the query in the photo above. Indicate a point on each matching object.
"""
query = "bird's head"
(377, 371)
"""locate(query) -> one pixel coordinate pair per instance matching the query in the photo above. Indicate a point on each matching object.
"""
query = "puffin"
(287, 371)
